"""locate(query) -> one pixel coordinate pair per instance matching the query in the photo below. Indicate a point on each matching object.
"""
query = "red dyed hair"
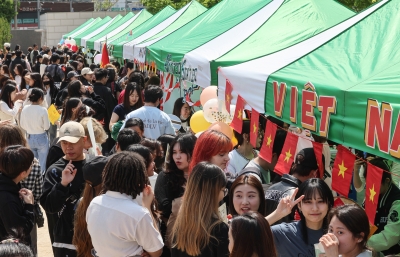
(209, 144)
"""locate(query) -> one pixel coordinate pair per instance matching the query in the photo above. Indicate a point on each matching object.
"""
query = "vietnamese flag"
(104, 56)
(286, 158)
(318, 154)
(372, 189)
(228, 95)
(268, 142)
(342, 171)
(237, 122)
(255, 116)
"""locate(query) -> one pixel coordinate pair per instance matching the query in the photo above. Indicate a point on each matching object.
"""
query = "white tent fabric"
(256, 72)
(97, 43)
(128, 47)
(200, 57)
(83, 29)
(94, 33)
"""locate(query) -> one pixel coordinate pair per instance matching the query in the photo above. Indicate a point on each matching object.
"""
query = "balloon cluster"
(71, 44)
(214, 114)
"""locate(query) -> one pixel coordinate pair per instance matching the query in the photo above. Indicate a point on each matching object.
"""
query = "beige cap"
(71, 131)
(86, 70)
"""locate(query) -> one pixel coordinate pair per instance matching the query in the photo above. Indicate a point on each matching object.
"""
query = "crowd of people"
(115, 177)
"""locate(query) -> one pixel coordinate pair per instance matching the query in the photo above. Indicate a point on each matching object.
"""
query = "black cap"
(306, 158)
(93, 169)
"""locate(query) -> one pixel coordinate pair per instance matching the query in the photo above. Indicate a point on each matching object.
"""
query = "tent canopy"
(358, 75)
(124, 21)
(91, 29)
(140, 30)
(138, 19)
(82, 26)
(186, 14)
(207, 26)
(99, 30)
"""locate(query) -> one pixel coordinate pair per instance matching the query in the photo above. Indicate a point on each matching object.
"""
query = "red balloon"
(74, 48)
(68, 45)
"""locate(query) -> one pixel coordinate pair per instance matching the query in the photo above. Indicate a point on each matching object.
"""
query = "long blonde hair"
(199, 211)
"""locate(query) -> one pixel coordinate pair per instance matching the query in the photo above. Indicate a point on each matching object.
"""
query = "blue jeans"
(39, 144)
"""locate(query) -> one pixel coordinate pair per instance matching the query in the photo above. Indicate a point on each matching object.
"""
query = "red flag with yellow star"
(255, 116)
(286, 158)
(237, 122)
(372, 188)
(318, 154)
(268, 142)
(228, 95)
(342, 170)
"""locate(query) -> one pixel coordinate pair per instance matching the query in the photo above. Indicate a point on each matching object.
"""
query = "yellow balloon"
(234, 141)
(198, 122)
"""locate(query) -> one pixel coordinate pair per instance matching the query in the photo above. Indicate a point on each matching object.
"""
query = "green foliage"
(5, 31)
(103, 5)
(7, 10)
(154, 6)
(357, 5)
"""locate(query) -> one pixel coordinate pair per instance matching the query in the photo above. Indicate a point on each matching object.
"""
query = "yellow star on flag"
(372, 193)
(342, 169)
(288, 156)
(239, 114)
(269, 140)
(254, 128)
(228, 98)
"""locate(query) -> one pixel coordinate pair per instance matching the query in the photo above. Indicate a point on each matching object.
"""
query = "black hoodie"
(16, 217)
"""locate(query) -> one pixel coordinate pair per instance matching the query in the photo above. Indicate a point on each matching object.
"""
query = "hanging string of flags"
(342, 170)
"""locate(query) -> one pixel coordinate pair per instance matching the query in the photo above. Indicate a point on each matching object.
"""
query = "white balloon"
(67, 41)
(97, 59)
(210, 110)
(72, 42)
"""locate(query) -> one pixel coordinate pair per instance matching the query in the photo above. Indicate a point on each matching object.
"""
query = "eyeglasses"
(226, 191)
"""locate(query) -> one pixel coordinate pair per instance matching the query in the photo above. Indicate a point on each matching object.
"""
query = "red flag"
(104, 56)
(268, 143)
(228, 95)
(255, 116)
(237, 122)
(286, 158)
(372, 189)
(318, 154)
(342, 170)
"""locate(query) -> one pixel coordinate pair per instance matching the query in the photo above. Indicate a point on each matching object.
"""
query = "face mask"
(46, 83)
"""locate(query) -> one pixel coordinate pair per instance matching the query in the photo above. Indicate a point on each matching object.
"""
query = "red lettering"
(395, 146)
(294, 94)
(309, 101)
(326, 105)
(378, 125)
(279, 98)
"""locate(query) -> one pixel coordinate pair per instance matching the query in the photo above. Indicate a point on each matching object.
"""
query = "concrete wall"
(25, 38)
(55, 25)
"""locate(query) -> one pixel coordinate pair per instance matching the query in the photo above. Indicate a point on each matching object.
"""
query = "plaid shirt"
(34, 181)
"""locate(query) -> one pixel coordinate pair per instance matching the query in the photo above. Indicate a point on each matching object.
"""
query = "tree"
(5, 31)
(7, 10)
(154, 6)
(103, 5)
(357, 5)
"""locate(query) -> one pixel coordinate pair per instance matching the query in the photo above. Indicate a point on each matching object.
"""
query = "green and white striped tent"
(138, 19)
(81, 28)
(136, 49)
(355, 64)
(115, 26)
(93, 31)
(117, 45)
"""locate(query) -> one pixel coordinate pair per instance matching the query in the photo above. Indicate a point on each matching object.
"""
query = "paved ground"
(44, 244)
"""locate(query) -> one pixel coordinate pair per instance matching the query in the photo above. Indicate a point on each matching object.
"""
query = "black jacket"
(97, 104)
(278, 191)
(105, 93)
(60, 200)
(56, 72)
(16, 218)
(17, 60)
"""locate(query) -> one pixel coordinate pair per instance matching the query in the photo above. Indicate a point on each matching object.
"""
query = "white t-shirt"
(34, 119)
(236, 162)
(156, 122)
(27, 102)
(119, 226)
(6, 113)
